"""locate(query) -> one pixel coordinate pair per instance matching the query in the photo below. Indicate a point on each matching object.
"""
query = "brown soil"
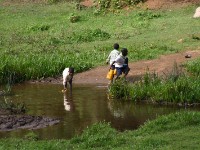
(154, 4)
(163, 65)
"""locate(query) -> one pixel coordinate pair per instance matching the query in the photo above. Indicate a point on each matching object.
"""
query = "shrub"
(13, 108)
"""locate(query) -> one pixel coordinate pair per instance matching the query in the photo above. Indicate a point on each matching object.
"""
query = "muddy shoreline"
(9, 122)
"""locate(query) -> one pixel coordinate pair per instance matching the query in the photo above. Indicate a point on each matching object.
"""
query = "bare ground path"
(161, 65)
(164, 64)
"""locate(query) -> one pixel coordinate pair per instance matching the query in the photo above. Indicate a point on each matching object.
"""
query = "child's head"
(124, 51)
(116, 46)
(71, 71)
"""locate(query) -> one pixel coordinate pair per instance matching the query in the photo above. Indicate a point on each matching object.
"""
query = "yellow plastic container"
(64, 90)
(115, 72)
(110, 74)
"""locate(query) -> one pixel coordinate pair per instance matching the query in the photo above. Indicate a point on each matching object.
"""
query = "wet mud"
(12, 122)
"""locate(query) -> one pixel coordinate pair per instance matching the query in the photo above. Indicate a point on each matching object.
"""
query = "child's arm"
(112, 64)
(108, 59)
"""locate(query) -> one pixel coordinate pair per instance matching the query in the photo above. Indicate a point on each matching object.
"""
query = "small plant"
(13, 108)
(119, 89)
(39, 28)
(193, 67)
(89, 35)
(74, 18)
(196, 36)
(52, 1)
(116, 4)
(31, 136)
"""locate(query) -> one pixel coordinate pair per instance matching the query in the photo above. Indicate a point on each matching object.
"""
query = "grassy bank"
(177, 87)
(174, 131)
(39, 40)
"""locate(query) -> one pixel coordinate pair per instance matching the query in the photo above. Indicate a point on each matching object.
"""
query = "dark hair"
(71, 70)
(124, 51)
(116, 46)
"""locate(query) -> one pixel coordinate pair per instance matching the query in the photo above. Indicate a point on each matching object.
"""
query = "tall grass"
(174, 88)
(39, 40)
(193, 66)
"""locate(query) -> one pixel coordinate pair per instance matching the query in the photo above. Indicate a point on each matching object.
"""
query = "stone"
(197, 13)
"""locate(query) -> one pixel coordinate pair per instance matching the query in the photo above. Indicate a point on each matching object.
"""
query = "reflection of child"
(68, 102)
(68, 74)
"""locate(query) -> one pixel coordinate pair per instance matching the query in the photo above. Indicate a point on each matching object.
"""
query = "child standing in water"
(68, 74)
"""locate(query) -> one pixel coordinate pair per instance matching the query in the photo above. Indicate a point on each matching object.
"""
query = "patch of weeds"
(97, 12)
(148, 15)
(119, 89)
(54, 41)
(89, 36)
(31, 136)
(13, 108)
(116, 4)
(39, 28)
(122, 36)
(52, 1)
(6, 91)
(193, 67)
(78, 6)
(196, 36)
(74, 18)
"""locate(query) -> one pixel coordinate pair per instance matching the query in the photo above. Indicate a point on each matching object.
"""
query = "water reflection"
(68, 101)
(86, 105)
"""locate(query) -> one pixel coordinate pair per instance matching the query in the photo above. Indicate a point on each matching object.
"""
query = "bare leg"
(70, 85)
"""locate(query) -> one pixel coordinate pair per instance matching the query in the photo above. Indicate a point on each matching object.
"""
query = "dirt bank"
(164, 64)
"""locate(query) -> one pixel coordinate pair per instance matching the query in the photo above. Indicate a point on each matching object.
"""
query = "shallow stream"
(86, 105)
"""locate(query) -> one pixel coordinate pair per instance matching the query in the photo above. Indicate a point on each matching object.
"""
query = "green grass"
(174, 131)
(39, 40)
(174, 88)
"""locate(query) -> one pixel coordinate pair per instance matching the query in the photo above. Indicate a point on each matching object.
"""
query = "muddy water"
(86, 105)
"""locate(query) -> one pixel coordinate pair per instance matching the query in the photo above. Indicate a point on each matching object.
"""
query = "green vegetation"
(173, 131)
(39, 40)
(174, 88)
(116, 4)
(12, 107)
(193, 67)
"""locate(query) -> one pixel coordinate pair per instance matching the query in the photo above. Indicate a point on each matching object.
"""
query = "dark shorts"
(119, 70)
(126, 69)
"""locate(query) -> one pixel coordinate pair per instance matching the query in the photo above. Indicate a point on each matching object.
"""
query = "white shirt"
(65, 75)
(113, 55)
(119, 61)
